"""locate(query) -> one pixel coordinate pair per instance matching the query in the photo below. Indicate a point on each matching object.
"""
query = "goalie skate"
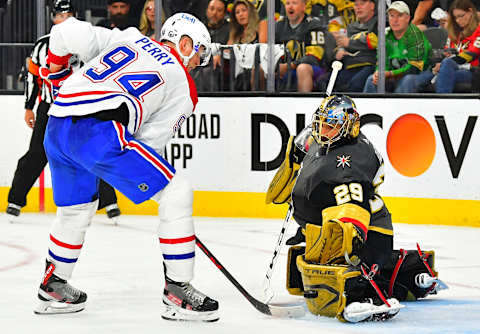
(185, 303)
(425, 281)
(368, 311)
(56, 296)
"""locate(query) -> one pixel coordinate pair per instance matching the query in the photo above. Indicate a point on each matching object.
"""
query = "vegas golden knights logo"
(296, 49)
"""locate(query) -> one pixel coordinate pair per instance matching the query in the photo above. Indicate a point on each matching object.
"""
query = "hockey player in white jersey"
(111, 120)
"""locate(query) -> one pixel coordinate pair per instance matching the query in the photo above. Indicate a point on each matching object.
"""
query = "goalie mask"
(336, 118)
(183, 24)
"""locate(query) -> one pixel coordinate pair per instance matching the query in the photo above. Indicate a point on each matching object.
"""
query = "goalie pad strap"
(369, 278)
(401, 257)
(424, 258)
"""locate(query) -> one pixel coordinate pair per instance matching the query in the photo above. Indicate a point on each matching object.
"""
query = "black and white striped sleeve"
(33, 85)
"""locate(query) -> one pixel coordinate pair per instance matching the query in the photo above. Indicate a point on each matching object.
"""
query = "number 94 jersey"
(350, 172)
(124, 67)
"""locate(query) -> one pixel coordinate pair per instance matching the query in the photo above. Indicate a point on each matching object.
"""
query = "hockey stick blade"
(287, 311)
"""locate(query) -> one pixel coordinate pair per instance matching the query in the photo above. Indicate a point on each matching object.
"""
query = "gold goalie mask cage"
(336, 118)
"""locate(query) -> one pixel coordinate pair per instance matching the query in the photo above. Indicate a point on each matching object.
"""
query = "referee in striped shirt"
(31, 165)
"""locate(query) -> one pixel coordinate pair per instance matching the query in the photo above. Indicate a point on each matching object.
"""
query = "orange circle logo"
(411, 145)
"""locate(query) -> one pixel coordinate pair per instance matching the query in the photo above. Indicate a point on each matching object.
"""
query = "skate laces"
(67, 291)
(195, 296)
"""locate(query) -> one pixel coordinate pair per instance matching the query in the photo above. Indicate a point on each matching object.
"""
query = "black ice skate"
(57, 296)
(113, 212)
(184, 302)
(13, 211)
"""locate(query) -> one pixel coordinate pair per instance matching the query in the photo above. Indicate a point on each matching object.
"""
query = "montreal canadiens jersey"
(349, 173)
(124, 67)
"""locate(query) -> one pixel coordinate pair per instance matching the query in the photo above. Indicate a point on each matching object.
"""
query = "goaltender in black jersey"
(347, 268)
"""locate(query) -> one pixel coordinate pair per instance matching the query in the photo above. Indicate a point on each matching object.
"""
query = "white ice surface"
(121, 270)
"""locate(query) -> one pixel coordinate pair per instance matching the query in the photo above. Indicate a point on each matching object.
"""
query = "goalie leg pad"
(294, 277)
(324, 287)
(404, 286)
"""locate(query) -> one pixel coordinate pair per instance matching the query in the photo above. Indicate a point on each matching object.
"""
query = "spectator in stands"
(118, 15)
(261, 7)
(421, 10)
(335, 15)
(217, 24)
(358, 49)
(207, 78)
(463, 35)
(407, 52)
(303, 37)
(243, 23)
(243, 30)
(147, 19)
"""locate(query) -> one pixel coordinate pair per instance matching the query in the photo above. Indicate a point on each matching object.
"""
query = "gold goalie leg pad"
(324, 287)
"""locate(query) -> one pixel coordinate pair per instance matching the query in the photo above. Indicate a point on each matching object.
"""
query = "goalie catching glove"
(280, 188)
(341, 236)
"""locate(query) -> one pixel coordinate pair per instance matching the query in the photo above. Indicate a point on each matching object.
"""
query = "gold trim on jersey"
(380, 230)
(418, 64)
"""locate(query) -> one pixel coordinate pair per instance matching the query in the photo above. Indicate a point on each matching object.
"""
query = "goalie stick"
(284, 311)
(336, 66)
(267, 290)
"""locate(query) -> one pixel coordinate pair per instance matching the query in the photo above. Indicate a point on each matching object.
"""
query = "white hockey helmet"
(183, 24)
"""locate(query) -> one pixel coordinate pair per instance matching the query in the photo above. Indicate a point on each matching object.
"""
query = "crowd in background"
(428, 42)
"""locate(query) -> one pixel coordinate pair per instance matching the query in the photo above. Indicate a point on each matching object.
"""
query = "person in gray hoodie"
(357, 48)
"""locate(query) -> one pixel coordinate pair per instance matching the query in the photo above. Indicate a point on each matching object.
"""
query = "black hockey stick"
(293, 311)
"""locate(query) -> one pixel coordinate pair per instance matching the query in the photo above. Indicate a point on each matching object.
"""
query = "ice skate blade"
(53, 307)
(175, 313)
(114, 220)
(12, 219)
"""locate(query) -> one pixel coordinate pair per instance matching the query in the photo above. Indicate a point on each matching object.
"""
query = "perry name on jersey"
(117, 76)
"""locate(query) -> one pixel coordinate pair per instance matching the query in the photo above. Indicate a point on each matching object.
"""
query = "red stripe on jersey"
(59, 60)
(64, 245)
(355, 222)
(121, 134)
(177, 240)
(191, 83)
(94, 92)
